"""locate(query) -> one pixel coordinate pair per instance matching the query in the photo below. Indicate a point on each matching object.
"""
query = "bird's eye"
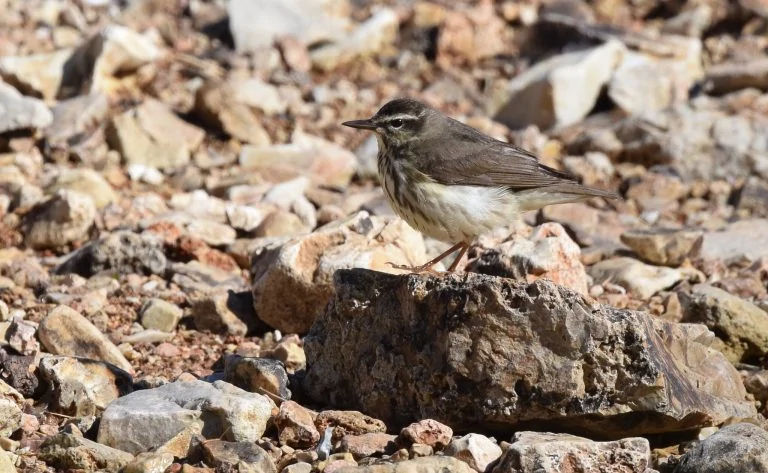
(396, 123)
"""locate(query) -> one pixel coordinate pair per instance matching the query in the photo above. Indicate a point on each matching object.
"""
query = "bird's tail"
(562, 193)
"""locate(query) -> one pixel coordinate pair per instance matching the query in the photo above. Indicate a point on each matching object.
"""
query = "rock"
(680, 135)
(731, 76)
(534, 452)
(666, 247)
(63, 219)
(643, 83)
(20, 373)
(82, 387)
(326, 163)
(20, 113)
(75, 120)
(6, 463)
(87, 182)
(292, 282)
(69, 452)
(757, 385)
(222, 313)
(157, 314)
(428, 432)
(468, 34)
(548, 253)
(152, 136)
(753, 197)
(738, 448)
(544, 94)
(280, 223)
(145, 419)
(122, 252)
(299, 467)
(741, 240)
(432, 464)
(290, 351)
(481, 332)
(367, 445)
(741, 325)
(295, 426)
(197, 277)
(588, 225)
(260, 95)
(257, 375)
(218, 106)
(477, 451)
(237, 456)
(641, 279)
(376, 33)
(65, 332)
(348, 423)
(37, 74)
(149, 462)
(255, 25)
(116, 51)
(11, 402)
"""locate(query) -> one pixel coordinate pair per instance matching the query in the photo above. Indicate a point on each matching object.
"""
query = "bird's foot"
(424, 268)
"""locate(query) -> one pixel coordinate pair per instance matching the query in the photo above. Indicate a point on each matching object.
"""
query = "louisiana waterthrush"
(453, 183)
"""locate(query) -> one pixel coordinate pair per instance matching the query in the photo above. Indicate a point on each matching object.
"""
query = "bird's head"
(398, 122)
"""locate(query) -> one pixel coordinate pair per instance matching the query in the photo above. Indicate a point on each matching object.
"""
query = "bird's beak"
(361, 124)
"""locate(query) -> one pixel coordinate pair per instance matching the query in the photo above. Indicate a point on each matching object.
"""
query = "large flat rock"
(484, 353)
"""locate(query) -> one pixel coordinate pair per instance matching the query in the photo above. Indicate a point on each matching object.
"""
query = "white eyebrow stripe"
(402, 116)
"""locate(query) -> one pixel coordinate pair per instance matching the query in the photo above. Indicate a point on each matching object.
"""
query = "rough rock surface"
(738, 448)
(293, 281)
(463, 341)
(534, 452)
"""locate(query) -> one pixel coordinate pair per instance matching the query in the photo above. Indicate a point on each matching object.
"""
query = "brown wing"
(471, 158)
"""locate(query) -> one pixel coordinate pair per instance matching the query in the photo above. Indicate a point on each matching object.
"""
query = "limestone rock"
(65, 332)
(367, 445)
(561, 90)
(594, 365)
(38, 74)
(237, 456)
(296, 427)
(548, 253)
(69, 452)
(85, 181)
(742, 326)
(256, 25)
(744, 239)
(433, 464)
(478, 451)
(543, 452)
(157, 314)
(293, 282)
(82, 387)
(739, 448)
(428, 432)
(63, 219)
(641, 279)
(145, 419)
(219, 106)
(122, 252)
(11, 403)
(666, 247)
(730, 76)
(257, 375)
(18, 112)
(324, 162)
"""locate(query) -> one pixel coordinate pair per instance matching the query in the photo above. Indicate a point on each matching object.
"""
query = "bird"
(453, 183)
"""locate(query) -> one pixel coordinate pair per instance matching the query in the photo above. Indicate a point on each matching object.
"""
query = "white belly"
(459, 213)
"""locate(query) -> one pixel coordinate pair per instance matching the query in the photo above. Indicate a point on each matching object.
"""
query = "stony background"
(193, 251)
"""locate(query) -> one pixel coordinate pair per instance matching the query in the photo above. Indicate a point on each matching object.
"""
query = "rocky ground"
(193, 251)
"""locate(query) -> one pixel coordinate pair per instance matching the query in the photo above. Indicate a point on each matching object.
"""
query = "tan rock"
(741, 325)
(85, 181)
(367, 445)
(83, 387)
(433, 464)
(63, 219)
(11, 404)
(477, 451)
(666, 247)
(524, 352)
(218, 106)
(428, 432)
(642, 280)
(348, 423)
(296, 426)
(292, 281)
(548, 253)
(38, 74)
(65, 332)
(533, 452)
